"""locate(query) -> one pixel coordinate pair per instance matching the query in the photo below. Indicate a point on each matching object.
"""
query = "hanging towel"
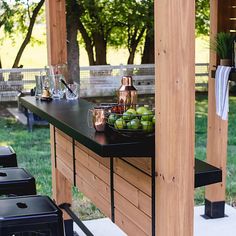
(222, 91)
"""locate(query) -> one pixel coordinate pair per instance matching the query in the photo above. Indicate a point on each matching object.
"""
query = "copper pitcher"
(127, 93)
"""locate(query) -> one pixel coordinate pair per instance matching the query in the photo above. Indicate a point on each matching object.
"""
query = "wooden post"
(217, 129)
(56, 31)
(175, 106)
(57, 54)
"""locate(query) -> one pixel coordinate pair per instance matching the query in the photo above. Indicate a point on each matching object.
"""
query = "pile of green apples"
(140, 119)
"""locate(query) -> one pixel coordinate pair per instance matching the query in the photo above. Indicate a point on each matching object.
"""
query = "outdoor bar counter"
(116, 173)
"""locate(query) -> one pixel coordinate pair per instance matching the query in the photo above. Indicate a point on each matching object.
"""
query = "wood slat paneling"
(141, 200)
(64, 143)
(65, 170)
(104, 161)
(134, 176)
(143, 164)
(91, 193)
(127, 225)
(90, 163)
(93, 180)
(64, 156)
(138, 218)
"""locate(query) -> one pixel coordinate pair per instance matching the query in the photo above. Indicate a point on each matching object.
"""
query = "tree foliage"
(19, 17)
(202, 17)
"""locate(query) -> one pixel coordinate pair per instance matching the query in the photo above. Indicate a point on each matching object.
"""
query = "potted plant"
(223, 45)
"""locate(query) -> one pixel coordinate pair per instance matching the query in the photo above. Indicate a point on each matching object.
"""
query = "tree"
(134, 17)
(14, 17)
(6, 21)
(73, 14)
(98, 19)
(202, 17)
(148, 51)
(32, 18)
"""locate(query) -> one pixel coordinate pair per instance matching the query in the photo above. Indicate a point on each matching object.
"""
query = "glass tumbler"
(72, 91)
(57, 88)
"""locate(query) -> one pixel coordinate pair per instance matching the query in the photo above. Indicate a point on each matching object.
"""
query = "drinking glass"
(72, 91)
(57, 88)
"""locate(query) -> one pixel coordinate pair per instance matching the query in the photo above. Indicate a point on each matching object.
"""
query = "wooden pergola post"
(56, 31)
(57, 54)
(175, 106)
(220, 14)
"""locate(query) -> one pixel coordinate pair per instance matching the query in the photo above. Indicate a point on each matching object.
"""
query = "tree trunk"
(131, 55)
(148, 52)
(100, 49)
(72, 17)
(1, 75)
(135, 39)
(29, 33)
(88, 43)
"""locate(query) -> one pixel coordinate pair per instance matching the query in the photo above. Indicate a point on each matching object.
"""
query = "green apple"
(147, 126)
(135, 124)
(127, 116)
(120, 124)
(153, 120)
(112, 118)
(131, 110)
(147, 116)
(129, 126)
(141, 110)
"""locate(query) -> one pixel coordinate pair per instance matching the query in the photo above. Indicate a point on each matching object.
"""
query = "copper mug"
(98, 117)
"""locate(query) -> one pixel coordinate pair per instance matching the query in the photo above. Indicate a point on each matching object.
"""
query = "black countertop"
(71, 118)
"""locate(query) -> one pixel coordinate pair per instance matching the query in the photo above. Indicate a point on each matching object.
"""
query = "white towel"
(222, 91)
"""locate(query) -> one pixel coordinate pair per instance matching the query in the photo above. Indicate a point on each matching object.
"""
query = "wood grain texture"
(56, 31)
(61, 186)
(132, 183)
(127, 225)
(140, 219)
(217, 131)
(175, 106)
(133, 175)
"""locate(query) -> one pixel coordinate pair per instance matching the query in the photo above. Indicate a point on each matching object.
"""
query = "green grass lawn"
(33, 151)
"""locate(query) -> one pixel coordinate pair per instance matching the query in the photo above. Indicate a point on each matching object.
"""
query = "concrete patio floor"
(202, 227)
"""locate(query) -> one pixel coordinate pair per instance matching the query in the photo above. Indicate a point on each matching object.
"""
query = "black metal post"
(112, 190)
(74, 170)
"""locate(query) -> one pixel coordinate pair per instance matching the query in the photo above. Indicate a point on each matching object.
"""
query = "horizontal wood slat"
(134, 176)
(101, 187)
(64, 156)
(91, 193)
(141, 220)
(104, 161)
(64, 143)
(141, 200)
(65, 170)
(93, 165)
(127, 225)
(143, 164)
(63, 134)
